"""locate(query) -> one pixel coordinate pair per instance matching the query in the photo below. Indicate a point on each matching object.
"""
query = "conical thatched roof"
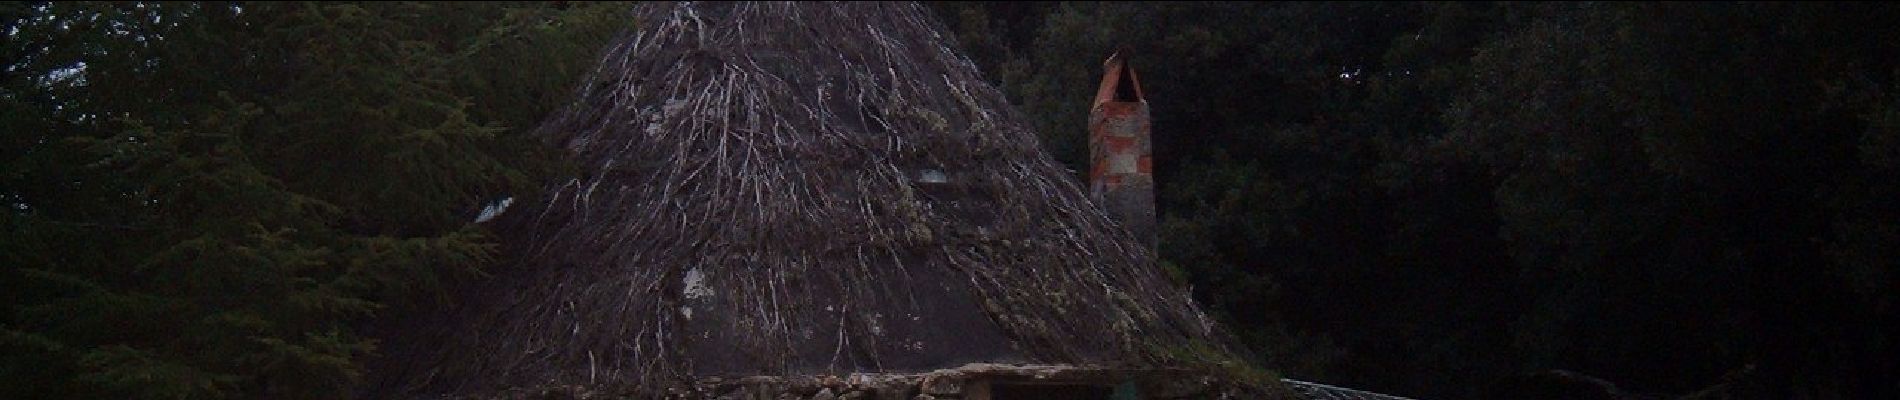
(792, 188)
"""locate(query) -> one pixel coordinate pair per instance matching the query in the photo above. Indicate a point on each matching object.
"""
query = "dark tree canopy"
(208, 200)
(1436, 199)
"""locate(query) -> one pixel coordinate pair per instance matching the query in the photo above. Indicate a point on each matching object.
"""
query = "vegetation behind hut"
(209, 200)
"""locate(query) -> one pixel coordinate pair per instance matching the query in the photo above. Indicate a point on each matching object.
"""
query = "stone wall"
(970, 382)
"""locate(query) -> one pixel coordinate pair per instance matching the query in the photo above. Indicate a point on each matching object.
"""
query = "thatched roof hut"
(799, 189)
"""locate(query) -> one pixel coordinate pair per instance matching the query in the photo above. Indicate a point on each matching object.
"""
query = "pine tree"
(207, 200)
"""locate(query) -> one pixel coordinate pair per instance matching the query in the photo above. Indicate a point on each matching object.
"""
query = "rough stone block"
(824, 394)
(942, 385)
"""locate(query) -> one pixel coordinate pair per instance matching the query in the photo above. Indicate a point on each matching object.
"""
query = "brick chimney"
(1121, 167)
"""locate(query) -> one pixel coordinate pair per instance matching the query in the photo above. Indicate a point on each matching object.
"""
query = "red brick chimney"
(1121, 166)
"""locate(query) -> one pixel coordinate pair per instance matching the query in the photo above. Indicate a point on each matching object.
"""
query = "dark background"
(1447, 200)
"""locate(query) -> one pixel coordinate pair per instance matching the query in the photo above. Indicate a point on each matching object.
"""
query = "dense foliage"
(1437, 199)
(209, 200)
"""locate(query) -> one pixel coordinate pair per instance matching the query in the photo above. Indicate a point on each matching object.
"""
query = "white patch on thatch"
(931, 176)
(695, 285)
(494, 210)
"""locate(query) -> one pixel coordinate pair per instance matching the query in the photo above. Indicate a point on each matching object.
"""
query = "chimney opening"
(1125, 85)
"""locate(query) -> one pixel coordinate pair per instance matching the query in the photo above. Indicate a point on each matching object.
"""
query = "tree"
(211, 198)
(1435, 198)
(1667, 170)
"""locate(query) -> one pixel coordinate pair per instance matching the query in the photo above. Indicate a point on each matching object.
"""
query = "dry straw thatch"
(796, 188)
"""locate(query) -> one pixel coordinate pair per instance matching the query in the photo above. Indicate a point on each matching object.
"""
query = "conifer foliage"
(207, 200)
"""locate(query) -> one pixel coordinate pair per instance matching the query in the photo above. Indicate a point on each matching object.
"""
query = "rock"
(824, 394)
(855, 395)
(802, 385)
(893, 390)
(924, 397)
(942, 385)
(736, 394)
